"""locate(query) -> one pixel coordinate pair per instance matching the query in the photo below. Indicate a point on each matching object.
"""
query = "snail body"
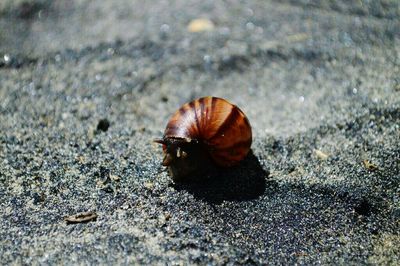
(207, 131)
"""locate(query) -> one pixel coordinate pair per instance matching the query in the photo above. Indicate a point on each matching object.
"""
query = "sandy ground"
(85, 86)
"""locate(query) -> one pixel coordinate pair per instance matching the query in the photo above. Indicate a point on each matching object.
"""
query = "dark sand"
(319, 81)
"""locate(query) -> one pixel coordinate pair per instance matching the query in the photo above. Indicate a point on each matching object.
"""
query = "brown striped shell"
(219, 129)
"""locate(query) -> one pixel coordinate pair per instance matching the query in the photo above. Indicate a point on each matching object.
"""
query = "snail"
(205, 133)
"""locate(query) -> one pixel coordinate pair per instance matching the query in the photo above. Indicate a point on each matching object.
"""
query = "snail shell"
(206, 131)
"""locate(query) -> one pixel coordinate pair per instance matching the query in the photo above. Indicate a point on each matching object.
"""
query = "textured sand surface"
(85, 86)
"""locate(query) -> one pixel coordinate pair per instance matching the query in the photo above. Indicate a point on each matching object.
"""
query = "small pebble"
(103, 125)
(115, 177)
(149, 185)
(370, 166)
(321, 155)
(200, 24)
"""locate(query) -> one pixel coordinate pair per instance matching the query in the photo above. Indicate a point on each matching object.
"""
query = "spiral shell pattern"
(220, 126)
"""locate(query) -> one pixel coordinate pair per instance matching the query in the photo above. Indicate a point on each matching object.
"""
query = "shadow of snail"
(246, 181)
(207, 151)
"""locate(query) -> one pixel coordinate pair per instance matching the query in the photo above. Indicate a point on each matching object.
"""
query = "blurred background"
(232, 49)
(37, 27)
